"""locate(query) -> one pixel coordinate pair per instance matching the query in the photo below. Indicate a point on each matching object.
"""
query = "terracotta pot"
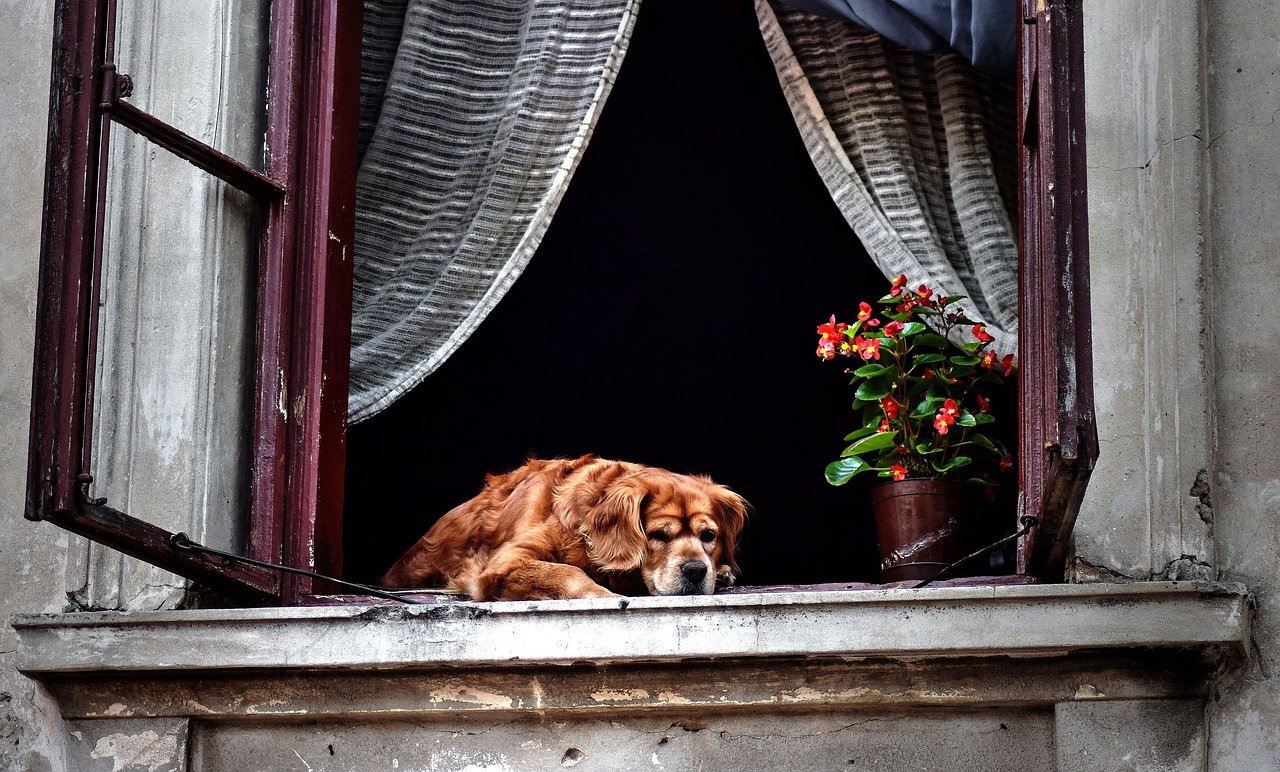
(923, 525)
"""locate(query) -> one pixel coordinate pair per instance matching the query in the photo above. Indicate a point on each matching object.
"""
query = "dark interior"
(667, 318)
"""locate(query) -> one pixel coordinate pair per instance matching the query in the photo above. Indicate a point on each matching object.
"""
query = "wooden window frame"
(307, 190)
(307, 193)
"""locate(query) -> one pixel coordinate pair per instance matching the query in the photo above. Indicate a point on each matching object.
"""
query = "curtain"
(473, 118)
(918, 152)
(982, 31)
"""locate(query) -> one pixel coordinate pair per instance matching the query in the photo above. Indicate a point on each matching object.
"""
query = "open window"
(303, 191)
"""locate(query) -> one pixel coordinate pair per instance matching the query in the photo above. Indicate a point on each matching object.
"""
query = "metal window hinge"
(115, 86)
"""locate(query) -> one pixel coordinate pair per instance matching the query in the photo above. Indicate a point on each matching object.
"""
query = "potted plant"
(924, 423)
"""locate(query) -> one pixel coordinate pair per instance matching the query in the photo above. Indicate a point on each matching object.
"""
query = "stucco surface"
(32, 559)
(1243, 107)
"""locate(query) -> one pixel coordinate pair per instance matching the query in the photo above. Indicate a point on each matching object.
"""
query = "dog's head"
(678, 531)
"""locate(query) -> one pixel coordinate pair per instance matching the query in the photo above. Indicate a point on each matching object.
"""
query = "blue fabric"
(980, 30)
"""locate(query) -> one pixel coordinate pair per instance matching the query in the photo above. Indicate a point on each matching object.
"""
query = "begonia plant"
(923, 404)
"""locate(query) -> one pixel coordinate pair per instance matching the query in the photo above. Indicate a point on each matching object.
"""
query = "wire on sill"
(1028, 522)
(180, 541)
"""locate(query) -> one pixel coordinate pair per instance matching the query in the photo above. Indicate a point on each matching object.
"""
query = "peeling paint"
(148, 750)
(674, 699)
(1088, 692)
(470, 696)
(619, 695)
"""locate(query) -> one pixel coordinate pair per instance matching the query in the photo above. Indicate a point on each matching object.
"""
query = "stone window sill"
(1036, 620)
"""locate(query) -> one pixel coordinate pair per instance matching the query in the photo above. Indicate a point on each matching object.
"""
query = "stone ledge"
(896, 624)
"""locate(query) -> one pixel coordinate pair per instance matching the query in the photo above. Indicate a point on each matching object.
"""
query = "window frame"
(303, 316)
(307, 192)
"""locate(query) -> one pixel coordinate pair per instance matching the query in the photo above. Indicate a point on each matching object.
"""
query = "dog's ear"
(613, 527)
(731, 514)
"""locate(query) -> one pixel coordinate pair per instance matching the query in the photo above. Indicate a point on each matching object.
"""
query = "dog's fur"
(586, 528)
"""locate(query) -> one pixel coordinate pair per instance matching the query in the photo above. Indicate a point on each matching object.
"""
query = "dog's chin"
(702, 588)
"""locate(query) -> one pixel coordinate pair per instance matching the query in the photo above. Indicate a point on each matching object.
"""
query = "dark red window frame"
(307, 194)
(304, 293)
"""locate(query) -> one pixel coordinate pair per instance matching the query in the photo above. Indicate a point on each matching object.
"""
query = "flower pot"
(923, 525)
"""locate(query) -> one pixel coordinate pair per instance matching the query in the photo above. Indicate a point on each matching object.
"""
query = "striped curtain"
(918, 152)
(473, 118)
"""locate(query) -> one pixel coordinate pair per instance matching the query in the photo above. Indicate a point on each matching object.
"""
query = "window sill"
(1035, 620)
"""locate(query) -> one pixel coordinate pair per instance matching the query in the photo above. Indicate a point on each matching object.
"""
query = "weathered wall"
(1184, 205)
(32, 559)
(1243, 241)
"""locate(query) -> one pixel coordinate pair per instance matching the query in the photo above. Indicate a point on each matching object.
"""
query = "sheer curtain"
(473, 118)
(917, 150)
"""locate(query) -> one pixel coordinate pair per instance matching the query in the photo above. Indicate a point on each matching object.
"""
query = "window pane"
(175, 347)
(201, 66)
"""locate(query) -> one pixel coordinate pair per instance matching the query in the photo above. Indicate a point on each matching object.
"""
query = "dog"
(586, 528)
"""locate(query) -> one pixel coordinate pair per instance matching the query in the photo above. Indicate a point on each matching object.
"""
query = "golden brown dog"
(587, 528)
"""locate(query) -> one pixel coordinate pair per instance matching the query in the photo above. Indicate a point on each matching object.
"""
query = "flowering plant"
(920, 400)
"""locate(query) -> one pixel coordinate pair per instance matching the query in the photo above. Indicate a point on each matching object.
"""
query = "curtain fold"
(473, 119)
(982, 31)
(918, 152)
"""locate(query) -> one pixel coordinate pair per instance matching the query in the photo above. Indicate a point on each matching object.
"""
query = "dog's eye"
(659, 536)
(708, 536)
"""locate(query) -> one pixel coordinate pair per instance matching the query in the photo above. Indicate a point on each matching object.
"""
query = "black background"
(667, 318)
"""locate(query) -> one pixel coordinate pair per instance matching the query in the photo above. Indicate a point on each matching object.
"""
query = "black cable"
(1028, 522)
(180, 541)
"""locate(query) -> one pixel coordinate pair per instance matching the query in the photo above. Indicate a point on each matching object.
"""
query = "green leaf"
(858, 434)
(932, 339)
(877, 441)
(984, 418)
(949, 299)
(972, 347)
(980, 481)
(874, 390)
(928, 359)
(954, 463)
(966, 419)
(965, 361)
(872, 370)
(889, 299)
(840, 472)
(913, 328)
(981, 440)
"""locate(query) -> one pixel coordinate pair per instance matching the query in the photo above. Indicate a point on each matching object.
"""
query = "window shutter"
(302, 321)
(1057, 434)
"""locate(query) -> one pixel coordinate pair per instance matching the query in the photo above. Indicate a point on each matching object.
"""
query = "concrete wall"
(1184, 201)
(1184, 148)
(32, 559)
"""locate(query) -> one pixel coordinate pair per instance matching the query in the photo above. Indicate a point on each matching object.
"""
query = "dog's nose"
(694, 571)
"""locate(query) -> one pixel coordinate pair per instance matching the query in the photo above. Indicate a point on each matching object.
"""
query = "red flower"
(884, 426)
(1007, 364)
(832, 330)
(980, 332)
(898, 285)
(899, 471)
(1006, 463)
(826, 349)
(868, 348)
(890, 407)
(864, 315)
(893, 328)
(924, 293)
(927, 374)
(983, 404)
(988, 359)
(946, 416)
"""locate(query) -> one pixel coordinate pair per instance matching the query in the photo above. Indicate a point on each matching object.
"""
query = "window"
(305, 192)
